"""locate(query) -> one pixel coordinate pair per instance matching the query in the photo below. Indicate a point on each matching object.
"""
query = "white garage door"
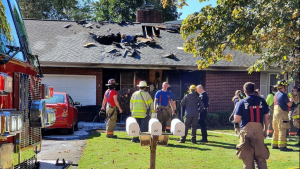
(81, 88)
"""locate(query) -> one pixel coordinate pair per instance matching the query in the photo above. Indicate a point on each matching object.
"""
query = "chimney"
(149, 15)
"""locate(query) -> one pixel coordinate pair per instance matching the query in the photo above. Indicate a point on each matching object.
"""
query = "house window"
(273, 81)
(126, 80)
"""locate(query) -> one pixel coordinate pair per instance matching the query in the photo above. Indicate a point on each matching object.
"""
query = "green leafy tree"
(116, 10)
(56, 9)
(269, 29)
(169, 13)
(5, 29)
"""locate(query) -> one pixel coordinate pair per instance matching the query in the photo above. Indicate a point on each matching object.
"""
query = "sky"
(194, 6)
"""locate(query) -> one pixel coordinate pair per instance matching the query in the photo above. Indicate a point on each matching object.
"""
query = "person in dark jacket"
(203, 107)
(190, 102)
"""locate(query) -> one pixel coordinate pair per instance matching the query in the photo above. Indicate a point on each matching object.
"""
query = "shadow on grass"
(220, 144)
(184, 146)
(94, 134)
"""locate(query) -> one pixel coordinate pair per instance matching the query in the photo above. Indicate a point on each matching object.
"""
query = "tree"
(269, 29)
(169, 12)
(116, 10)
(5, 29)
(56, 9)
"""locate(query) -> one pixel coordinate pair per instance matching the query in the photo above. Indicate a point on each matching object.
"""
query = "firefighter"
(190, 102)
(163, 98)
(295, 95)
(296, 121)
(270, 102)
(141, 106)
(253, 114)
(111, 102)
(280, 117)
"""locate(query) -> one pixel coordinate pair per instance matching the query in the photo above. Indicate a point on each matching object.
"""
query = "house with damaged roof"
(80, 57)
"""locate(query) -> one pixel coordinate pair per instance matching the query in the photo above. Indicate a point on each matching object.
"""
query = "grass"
(219, 152)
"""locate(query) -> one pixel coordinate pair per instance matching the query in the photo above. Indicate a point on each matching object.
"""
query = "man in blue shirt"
(252, 111)
(163, 98)
(125, 38)
(281, 121)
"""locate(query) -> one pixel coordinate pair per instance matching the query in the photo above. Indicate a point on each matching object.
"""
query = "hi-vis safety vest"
(138, 106)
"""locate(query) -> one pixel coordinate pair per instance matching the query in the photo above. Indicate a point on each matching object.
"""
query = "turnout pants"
(164, 116)
(111, 113)
(191, 121)
(293, 130)
(280, 125)
(251, 146)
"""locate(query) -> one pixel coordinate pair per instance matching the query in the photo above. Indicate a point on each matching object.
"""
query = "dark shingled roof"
(55, 43)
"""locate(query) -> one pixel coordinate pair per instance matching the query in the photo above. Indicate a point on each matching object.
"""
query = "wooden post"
(153, 145)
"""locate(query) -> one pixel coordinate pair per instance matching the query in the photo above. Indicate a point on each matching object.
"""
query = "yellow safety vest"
(138, 106)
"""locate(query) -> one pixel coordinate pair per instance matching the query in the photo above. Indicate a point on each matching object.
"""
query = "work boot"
(194, 141)
(135, 140)
(202, 141)
(182, 140)
(286, 149)
(111, 136)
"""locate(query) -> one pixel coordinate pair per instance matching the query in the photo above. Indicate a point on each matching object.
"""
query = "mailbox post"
(154, 136)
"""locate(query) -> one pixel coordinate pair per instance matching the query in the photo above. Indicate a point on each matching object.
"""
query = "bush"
(224, 118)
(218, 119)
(213, 120)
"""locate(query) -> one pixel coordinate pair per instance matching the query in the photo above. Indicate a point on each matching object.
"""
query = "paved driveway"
(57, 145)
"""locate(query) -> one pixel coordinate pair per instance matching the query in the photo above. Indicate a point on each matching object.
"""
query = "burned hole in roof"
(108, 39)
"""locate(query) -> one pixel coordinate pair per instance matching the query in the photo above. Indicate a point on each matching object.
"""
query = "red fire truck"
(22, 109)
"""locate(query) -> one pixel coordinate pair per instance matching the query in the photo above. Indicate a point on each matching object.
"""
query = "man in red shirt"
(111, 102)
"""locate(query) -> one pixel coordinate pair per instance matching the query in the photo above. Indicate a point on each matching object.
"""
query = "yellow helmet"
(193, 87)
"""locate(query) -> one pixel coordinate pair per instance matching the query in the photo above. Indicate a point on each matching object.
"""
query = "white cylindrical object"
(155, 127)
(177, 127)
(132, 127)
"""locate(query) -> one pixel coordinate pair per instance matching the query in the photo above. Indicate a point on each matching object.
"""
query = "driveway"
(57, 145)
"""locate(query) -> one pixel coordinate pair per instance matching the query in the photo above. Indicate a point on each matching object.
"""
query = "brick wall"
(221, 86)
(79, 71)
(149, 16)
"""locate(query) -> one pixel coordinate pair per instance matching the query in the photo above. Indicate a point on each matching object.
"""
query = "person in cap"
(141, 107)
(126, 38)
(281, 122)
(252, 112)
(190, 102)
(111, 102)
(164, 113)
(270, 102)
(203, 107)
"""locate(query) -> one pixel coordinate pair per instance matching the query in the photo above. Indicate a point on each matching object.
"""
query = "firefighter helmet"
(281, 83)
(111, 82)
(142, 84)
(193, 87)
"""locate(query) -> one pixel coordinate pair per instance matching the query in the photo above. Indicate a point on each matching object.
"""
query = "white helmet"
(142, 84)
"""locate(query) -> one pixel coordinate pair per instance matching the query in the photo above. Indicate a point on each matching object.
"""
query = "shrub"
(224, 118)
(213, 120)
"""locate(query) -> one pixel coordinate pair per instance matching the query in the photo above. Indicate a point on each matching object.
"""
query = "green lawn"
(101, 152)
